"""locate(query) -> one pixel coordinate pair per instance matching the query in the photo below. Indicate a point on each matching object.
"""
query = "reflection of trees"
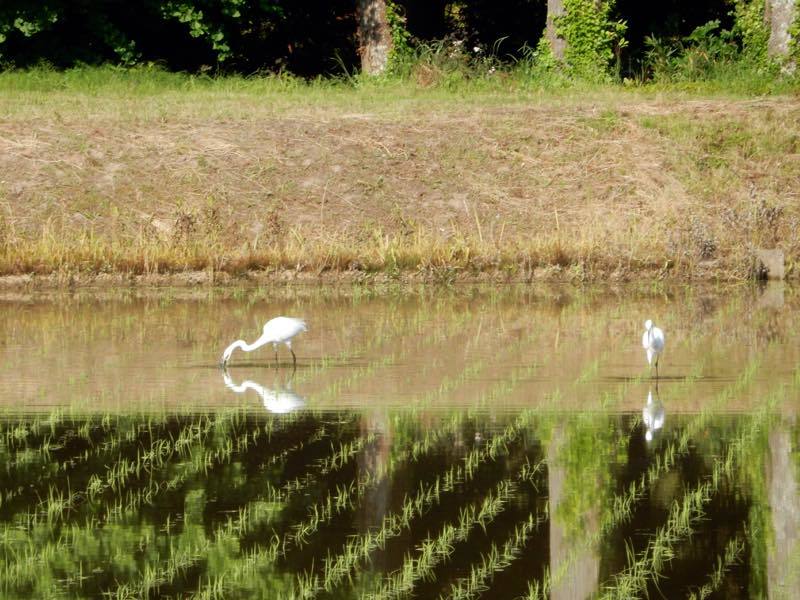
(372, 460)
(580, 454)
(784, 501)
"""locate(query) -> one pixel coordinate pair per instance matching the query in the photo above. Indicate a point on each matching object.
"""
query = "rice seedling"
(434, 551)
(733, 552)
(117, 474)
(256, 514)
(358, 548)
(497, 559)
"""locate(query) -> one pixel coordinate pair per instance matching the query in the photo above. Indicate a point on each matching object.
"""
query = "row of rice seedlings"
(406, 571)
(650, 563)
(733, 552)
(321, 512)
(359, 547)
(57, 505)
(434, 551)
(251, 515)
(116, 475)
(180, 559)
(17, 434)
(496, 560)
(110, 443)
(203, 461)
(341, 456)
(120, 507)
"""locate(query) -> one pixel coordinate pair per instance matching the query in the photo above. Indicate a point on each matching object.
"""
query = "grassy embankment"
(147, 173)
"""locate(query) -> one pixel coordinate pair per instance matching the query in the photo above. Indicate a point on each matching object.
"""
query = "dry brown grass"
(587, 188)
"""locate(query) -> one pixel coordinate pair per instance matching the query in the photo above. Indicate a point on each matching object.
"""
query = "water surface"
(432, 442)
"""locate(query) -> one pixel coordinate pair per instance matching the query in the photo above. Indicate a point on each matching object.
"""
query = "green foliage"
(191, 15)
(592, 36)
(794, 33)
(402, 49)
(692, 58)
(26, 19)
(751, 28)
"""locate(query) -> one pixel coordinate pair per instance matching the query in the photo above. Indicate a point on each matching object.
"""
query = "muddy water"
(517, 430)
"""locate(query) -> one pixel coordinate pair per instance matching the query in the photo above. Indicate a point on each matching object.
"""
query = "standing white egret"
(279, 330)
(653, 342)
(278, 401)
(652, 415)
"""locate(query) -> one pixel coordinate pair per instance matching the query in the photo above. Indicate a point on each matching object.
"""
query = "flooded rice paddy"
(431, 443)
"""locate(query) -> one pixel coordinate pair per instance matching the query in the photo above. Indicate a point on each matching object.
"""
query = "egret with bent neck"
(279, 330)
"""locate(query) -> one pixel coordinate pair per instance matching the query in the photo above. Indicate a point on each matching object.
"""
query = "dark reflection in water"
(390, 503)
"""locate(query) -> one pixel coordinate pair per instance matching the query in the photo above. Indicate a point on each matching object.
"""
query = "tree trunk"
(779, 16)
(374, 36)
(555, 8)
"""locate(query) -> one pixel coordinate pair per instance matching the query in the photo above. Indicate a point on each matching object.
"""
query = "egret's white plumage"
(279, 330)
(279, 401)
(653, 343)
(652, 415)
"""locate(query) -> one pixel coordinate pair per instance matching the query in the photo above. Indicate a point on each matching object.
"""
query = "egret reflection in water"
(279, 400)
(652, 415)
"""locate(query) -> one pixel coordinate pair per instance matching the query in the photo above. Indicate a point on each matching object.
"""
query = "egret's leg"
(294, 358)
(656, 368)
(275, 347)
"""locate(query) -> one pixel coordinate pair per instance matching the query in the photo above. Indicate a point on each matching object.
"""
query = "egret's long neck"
(257, 344)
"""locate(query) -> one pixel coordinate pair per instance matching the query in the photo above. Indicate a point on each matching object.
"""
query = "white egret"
(652, 415)
(279, 330)
(279, 401)
(653, 342)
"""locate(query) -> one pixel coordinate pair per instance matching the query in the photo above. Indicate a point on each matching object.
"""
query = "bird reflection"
(652, 415)
(279, 400)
